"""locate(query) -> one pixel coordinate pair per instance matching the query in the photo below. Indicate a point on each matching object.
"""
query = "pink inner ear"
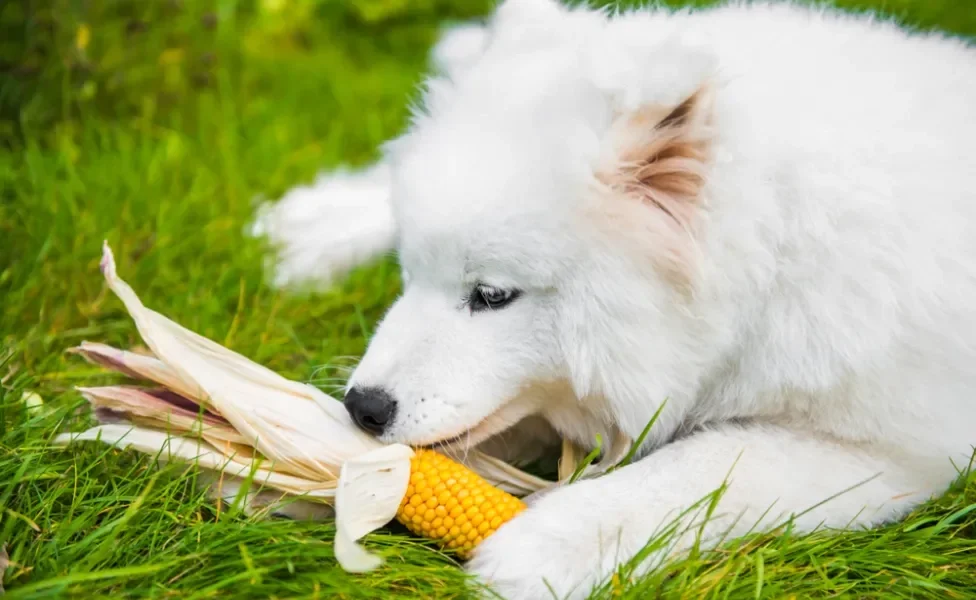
(664, 163)
(660, 159)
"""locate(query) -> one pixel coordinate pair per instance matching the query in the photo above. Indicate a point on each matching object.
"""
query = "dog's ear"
(657, 146)
(661, 98)
(658, 155)
(458, 47)
(521, 24)
(511, 12)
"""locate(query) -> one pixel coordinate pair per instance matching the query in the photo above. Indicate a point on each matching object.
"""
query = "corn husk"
(208, 405)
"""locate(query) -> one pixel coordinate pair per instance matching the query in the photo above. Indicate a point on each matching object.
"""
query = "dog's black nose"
(372, 408)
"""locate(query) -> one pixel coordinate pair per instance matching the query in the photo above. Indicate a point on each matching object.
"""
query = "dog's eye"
(486, 297)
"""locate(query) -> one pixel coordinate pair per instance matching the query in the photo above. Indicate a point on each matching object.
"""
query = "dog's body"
(764, 215)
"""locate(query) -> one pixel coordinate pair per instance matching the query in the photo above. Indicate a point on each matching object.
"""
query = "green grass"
(155, 125)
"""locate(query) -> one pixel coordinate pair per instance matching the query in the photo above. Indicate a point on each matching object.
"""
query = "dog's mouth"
(495, 423)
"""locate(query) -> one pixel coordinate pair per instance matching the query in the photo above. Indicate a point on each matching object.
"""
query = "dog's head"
(547, 199)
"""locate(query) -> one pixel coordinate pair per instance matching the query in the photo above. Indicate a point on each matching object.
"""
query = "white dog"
(764, 215)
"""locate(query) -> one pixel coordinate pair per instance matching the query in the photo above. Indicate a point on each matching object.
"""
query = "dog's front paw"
(552, 550)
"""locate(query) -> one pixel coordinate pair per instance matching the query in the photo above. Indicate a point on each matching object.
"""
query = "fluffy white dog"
(764, 215)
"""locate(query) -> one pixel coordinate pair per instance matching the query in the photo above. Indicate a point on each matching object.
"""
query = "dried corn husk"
(216, 408)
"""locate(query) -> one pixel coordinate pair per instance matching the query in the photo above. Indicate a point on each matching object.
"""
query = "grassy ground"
(155, 125)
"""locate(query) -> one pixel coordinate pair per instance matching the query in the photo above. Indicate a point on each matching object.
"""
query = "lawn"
(156, 125)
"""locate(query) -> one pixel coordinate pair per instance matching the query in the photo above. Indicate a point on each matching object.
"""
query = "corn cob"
(451, 504)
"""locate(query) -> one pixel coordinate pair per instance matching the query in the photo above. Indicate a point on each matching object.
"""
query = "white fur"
(320, 232)
(344, 219)
(829, 339)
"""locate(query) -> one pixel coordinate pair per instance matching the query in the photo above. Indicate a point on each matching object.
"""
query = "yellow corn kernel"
(448, 502)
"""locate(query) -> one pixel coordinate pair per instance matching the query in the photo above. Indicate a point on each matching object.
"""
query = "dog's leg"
(572, 539)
